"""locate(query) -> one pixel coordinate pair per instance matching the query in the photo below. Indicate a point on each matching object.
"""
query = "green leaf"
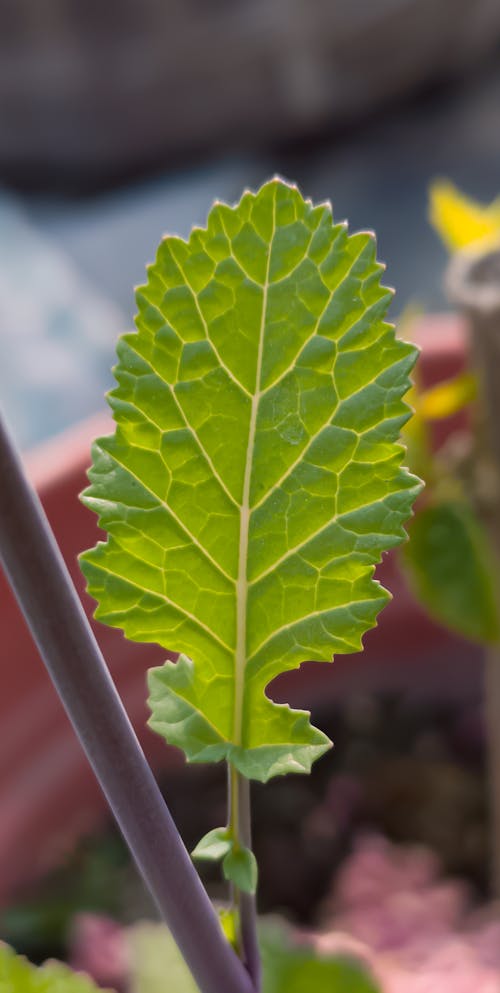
(214, 845)
(240, 866)
(450, 568)
(254, 478)
(156, 964)
(17, 975)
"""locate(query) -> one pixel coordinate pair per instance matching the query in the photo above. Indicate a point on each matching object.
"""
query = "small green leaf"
(213, 846)
(450, 568)
(239, 864)
(255, 476)
(17, 975)
(240, 867)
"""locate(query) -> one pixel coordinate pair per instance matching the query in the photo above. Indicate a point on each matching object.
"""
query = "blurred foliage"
(448, 559)
(450, 569)
(290, 968)
(17, 975)
(154, 956)
(287, 967)
(93, 878)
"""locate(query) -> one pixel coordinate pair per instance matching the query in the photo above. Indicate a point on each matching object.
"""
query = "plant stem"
(492, 719)
(43, 587)
(244, 903)
(474, 283)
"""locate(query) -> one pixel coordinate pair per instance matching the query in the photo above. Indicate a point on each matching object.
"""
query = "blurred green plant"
(286, 966)
(17, 975)
(452, 569)
(453, 560)
(95, 878)
(449, 560)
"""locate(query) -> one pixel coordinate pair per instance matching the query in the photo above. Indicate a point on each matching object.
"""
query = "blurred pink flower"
(98, 946)
(416, 932)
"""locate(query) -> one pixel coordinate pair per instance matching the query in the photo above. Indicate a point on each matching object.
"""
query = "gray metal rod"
(41, 582)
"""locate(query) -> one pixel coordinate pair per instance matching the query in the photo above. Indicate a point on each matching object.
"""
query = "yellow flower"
(460, 221)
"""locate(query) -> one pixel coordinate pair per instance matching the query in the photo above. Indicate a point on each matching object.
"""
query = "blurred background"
(122, 121)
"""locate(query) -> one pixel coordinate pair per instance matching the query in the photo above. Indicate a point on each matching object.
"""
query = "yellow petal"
(460, 221)
(448, 398)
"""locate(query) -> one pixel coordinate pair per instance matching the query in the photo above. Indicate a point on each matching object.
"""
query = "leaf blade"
(240, 867)
(254, 478)
(213, 846)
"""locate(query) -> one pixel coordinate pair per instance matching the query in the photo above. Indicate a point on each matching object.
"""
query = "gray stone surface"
(77, 79)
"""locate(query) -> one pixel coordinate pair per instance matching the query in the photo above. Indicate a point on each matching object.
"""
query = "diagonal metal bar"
(41, 582)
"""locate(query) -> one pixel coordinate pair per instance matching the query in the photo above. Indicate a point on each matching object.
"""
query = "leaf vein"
(290, 625)
(172, 603)
(188, 426)
(300, 458)
(314, 332)
(174, 517)
(203, 320)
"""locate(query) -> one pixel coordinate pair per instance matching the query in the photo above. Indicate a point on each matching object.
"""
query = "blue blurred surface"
(68, 266)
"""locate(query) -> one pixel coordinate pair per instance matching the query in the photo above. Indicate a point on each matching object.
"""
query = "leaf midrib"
(242, 581)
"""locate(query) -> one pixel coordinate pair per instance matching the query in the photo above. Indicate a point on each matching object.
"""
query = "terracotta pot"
(48, 796)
